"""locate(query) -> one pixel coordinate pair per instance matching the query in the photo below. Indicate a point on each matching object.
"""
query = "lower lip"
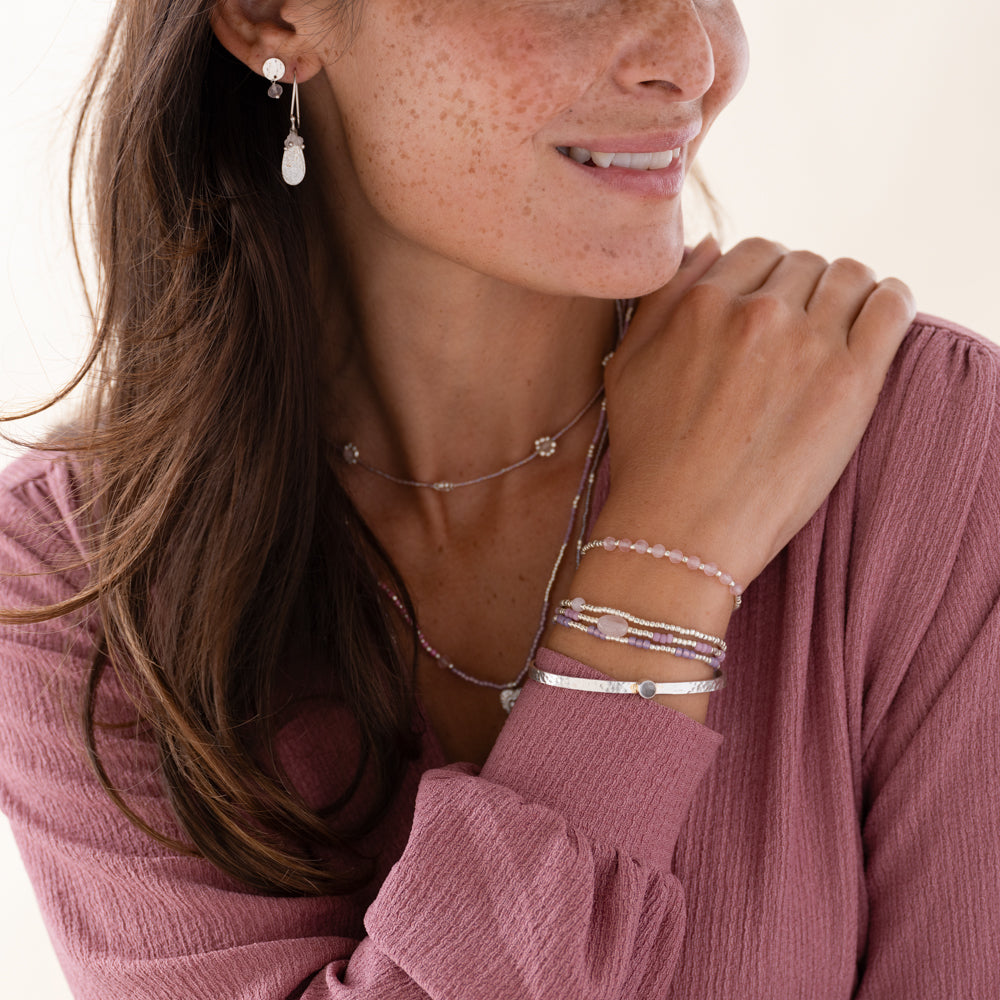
(664, 183)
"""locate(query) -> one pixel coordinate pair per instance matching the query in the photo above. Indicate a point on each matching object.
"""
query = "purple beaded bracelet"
(658, 551)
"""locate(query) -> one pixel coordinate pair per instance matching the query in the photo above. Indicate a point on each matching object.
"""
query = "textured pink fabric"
(832, 832)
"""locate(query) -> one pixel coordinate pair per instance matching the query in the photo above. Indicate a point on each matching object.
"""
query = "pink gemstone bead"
(578, 604)
(693, 562)
(710, 569)
(675, 555)
(641, 545)
(610, 544)
(658, 551)
(726, 579)
(612, 625)
(736, 589)
(624, 544)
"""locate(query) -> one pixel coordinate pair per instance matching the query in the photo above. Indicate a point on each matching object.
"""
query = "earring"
(274, 70)
(293, 162)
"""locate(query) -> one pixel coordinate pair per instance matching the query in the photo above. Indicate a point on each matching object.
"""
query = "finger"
(794, 278)
(653, 308)
(746, 267)
(882, 323)
(840, 294)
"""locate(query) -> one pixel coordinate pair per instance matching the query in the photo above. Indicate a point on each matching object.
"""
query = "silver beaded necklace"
(544, 447)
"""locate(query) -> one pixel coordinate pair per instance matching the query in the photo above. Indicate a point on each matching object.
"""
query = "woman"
(345, 449)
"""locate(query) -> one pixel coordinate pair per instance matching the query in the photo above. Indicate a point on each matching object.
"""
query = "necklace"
(544, 447)
(511, 689)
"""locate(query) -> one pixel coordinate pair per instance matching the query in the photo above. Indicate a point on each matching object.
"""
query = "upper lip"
(645, 142)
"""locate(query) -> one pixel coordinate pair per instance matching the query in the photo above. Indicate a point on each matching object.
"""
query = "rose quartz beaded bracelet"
(642, 547)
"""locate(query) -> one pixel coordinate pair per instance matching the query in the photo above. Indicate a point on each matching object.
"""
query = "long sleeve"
(546, 875)
(930, 734)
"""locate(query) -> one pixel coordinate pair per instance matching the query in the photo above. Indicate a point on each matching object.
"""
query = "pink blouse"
(833, 831)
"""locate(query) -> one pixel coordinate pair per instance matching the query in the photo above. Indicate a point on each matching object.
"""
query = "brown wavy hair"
(222, 547)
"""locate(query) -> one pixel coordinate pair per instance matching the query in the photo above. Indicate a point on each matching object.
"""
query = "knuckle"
(757, 246)
(705, 299)
(806, 258)
(853, 270)
(762, 311)
(898, 289)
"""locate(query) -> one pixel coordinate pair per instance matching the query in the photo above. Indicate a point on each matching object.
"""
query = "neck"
(453, 375)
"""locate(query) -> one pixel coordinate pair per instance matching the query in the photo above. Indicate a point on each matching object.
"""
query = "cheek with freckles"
(440, 115)
(443, 103)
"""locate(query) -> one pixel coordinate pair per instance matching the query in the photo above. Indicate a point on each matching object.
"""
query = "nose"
(663, 45)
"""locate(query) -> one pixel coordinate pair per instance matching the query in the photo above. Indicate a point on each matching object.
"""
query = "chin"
(631, 276)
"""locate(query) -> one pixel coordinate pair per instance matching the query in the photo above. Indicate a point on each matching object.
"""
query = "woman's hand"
(739, 395)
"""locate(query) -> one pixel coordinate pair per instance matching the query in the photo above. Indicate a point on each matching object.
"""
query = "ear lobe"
(254, 31)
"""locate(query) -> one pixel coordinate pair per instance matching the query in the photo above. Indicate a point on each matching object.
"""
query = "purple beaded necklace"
(511, 689)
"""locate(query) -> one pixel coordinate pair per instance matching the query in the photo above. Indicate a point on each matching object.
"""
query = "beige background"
(865, 130)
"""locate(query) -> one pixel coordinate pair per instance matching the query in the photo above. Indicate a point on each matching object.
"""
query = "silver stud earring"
(274, 70)
(293, 162)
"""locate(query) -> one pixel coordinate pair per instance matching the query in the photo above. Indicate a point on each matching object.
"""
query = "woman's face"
(456, 117)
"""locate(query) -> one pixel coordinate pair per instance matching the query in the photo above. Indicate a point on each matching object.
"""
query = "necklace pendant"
(545, 447)
(507, 698)
(443, 487)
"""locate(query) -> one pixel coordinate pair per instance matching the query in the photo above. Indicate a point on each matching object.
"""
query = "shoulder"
(938, 416)
(40, 500)
(42, 549)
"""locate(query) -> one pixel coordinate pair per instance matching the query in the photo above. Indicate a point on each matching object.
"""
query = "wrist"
(642, 587)
(709, 542)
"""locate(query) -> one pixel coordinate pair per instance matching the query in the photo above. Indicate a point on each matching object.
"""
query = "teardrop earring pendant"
(293, 162)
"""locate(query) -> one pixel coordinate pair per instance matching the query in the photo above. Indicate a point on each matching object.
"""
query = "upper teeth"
(631, 161)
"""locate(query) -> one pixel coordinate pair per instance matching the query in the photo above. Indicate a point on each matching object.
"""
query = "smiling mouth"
(628, 161)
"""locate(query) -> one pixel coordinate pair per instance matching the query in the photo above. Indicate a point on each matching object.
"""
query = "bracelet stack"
(658, 551)
(614, 625)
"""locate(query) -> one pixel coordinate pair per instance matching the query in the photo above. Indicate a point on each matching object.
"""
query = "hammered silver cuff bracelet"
(644, 689)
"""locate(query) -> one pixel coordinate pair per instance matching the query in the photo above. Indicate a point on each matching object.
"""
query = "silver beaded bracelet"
(644, 689)
(617, 622)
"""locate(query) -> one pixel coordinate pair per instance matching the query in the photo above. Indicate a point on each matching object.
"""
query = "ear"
(255, 30)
